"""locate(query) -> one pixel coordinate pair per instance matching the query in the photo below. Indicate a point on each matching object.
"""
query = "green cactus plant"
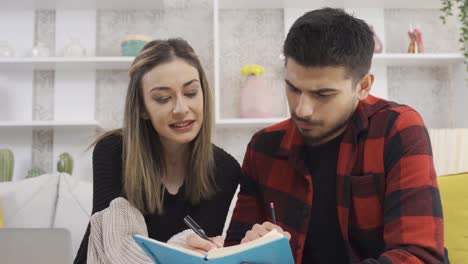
(7, 163)
(65, 163)
(34, 172)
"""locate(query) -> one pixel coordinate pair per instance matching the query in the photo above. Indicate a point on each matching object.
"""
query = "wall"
(246, 36)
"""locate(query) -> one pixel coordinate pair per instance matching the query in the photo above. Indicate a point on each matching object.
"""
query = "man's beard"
(316, 140)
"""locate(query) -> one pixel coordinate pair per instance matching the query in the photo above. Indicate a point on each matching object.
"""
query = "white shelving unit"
(267, 4)
(224, 4)
(123, 63)
(379, 60)
(64, 63)
(49, 124)
(74, 81)
(403, 59)
(370, 10)
(82, 4)
(75, 78)
(247, 122)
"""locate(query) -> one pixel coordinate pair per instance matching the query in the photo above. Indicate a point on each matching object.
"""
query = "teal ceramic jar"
(132, 44)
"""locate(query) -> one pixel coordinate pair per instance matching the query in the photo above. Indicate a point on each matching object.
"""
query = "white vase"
(6, 51)
(40, 50)
(74, 49)
(255, 98)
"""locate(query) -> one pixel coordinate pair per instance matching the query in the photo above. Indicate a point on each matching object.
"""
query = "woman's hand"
(202, 246)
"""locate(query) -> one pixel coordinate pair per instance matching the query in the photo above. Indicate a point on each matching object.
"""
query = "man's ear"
(364, 86)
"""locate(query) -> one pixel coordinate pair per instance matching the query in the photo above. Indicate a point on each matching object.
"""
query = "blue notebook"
(273, 248)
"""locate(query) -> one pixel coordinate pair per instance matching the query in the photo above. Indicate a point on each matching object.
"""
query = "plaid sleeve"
(248, 210)
(413, 221)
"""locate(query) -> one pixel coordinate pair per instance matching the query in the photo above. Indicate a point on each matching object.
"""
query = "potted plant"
(447, 10)
(7, 162)
(65, 163)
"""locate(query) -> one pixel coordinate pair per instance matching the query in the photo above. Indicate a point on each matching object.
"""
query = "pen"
(273, 215)
(195, 227)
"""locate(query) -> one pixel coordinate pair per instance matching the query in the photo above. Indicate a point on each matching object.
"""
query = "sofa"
(454, 196)
(48, 201)
(64, 201)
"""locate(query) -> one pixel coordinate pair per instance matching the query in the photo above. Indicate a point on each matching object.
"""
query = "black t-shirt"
(175, 209)
(209, 214)
(324, 242)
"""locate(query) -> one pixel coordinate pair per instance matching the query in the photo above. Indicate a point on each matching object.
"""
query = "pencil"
(273, 215)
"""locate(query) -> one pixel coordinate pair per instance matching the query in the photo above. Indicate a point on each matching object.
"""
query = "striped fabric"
(389, 207)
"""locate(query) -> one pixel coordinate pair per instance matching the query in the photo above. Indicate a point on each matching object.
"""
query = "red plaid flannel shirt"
(389, 207)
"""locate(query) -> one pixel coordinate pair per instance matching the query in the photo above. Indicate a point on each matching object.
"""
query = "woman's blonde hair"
(143, 158)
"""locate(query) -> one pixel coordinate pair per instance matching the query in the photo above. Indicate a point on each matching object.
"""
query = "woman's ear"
(144, 115)
(364, 86)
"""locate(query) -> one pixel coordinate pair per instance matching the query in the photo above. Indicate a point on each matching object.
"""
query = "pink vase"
(255, 98)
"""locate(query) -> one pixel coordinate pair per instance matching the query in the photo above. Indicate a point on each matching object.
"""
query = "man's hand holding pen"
(259, 230)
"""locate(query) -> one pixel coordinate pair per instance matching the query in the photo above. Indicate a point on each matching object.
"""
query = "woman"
(162, 160)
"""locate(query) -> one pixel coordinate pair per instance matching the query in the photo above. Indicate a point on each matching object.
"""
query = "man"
(351, 175)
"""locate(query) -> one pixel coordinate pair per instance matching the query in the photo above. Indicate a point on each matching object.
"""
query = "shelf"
(247, 122)
(427, 59)
(82, 4)
(123, 63)
(39, 124)
(70, 63)
(223, 4)
(267, 4)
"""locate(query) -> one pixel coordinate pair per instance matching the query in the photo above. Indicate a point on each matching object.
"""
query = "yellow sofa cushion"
(454, 195)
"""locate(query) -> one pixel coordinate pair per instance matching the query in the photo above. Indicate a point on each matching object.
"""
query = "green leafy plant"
(7, 163)
(65, 163)
(34, 172)
(447, 10)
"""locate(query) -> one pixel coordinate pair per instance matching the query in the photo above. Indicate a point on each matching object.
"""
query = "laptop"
(35, 245)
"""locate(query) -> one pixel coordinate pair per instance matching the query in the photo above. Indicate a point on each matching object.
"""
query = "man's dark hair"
(331, 37)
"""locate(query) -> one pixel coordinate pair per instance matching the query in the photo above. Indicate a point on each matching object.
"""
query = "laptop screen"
(35, 245)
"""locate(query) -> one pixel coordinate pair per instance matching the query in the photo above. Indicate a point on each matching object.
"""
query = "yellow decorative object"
(252, 69)
(455, 207)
